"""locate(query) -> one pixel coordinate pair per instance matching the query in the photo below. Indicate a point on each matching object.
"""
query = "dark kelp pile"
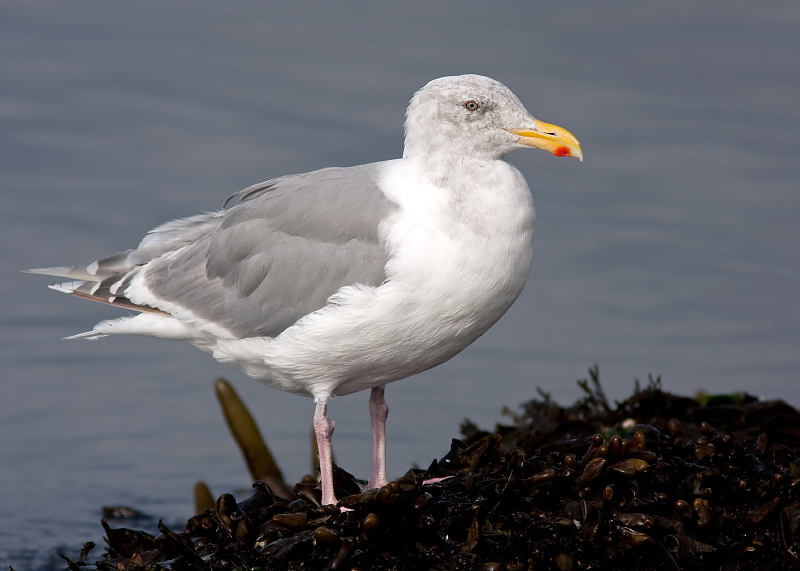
(657, 482)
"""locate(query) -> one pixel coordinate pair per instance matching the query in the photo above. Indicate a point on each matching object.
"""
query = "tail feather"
(89, 335)
(163, 326)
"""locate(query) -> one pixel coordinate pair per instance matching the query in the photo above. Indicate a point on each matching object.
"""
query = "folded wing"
(276, 253)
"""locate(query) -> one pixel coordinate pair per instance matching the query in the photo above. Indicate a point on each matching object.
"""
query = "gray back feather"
(281, 250)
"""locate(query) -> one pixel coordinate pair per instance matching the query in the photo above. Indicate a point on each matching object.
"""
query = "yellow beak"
(551, 138)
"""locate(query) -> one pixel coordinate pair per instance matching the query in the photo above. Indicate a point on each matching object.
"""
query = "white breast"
(460, 256)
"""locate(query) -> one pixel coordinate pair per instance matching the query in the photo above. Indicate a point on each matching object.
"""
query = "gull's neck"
(450, 169)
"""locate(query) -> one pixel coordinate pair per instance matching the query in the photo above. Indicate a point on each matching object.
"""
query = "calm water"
(674, 248)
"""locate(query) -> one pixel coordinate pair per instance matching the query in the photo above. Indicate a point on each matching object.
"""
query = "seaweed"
(657, 481)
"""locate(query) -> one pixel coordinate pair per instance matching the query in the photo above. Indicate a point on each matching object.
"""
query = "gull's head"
(476, 116)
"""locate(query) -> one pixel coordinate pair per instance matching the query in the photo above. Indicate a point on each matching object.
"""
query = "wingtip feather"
(66, 287)
(54, 271)
(72, 272)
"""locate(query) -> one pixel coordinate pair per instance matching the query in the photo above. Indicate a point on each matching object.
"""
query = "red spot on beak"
(562, 151)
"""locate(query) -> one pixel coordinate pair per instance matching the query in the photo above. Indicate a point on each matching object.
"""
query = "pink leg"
(323, 427)
(435, 480)
(378, 411)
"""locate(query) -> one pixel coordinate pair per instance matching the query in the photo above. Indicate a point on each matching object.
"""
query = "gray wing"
(280, 252)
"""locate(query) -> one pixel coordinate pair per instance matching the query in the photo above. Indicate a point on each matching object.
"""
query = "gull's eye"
(471, 105)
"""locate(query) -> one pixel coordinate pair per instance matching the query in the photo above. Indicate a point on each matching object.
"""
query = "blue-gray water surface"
(673, 249)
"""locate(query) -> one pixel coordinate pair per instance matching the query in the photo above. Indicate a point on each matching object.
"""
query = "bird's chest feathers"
(466, 244)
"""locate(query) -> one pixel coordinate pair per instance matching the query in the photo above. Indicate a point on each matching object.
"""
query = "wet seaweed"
(657, 481)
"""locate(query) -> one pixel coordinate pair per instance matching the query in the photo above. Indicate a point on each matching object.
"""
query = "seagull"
(345, 279)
